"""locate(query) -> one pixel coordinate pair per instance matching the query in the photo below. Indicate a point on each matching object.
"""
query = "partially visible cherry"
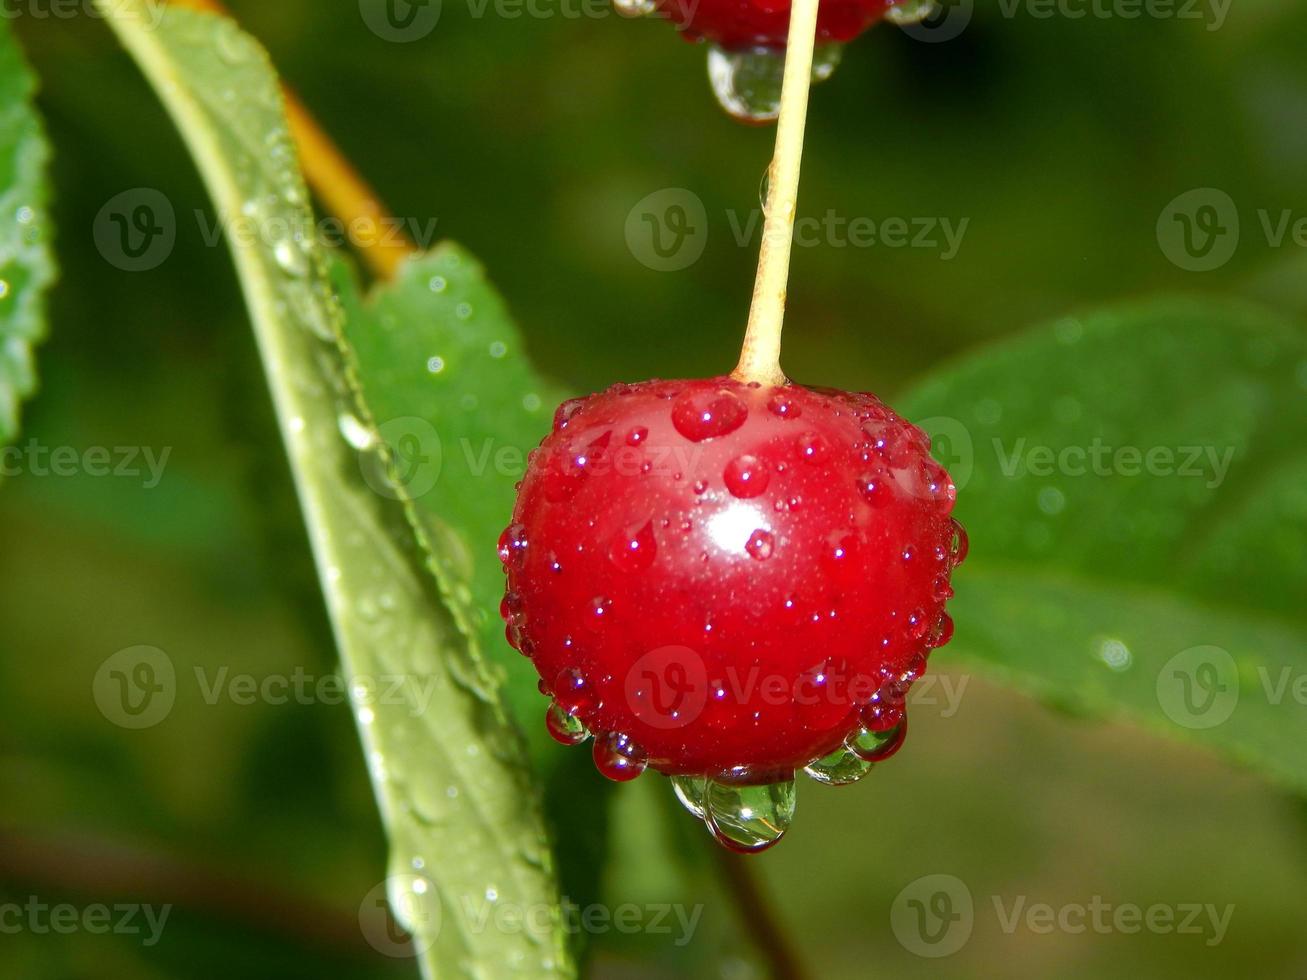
(741, 24)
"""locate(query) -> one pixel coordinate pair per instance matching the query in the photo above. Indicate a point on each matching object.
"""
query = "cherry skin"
(726, 579)
(741, 24)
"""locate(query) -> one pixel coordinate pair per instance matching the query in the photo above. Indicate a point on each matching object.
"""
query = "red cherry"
(740, 24)
(719, 578)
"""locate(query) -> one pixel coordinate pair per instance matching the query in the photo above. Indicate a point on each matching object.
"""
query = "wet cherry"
(739, 25)
(730, 580)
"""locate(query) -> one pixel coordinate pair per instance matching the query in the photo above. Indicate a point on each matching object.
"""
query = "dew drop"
(840, 768)
(875, 488)
(358, 435)
(690, 790)
(959, 544)
(761, 544)
(746, 476)
(565, 411)
(942, 631)
(510, 605)
(700, 414)
(635, 8)
(812, 448)
(781, 404)
(513, 545)
(877, 746)
(437, 284)
(908, 12)
(633, 550)
(637, 435)
(618, 757)
(747, 83)
(574, 694)
(565, 728)
(884, 712)
(291, 258)
(749, 819)
(435, 364)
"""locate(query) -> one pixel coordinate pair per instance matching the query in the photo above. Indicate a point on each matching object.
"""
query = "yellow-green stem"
(760, 357)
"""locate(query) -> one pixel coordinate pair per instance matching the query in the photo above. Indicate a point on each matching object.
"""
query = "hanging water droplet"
(618, 758)
(907, 12)
(748, 83)
(690, 790)
(749, 819)
(635, 8)
(878, 746)
(825, 59)
(565, 728)
(840, 768)
(959, 544)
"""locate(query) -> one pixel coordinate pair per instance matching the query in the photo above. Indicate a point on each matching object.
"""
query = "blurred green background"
(530, 140)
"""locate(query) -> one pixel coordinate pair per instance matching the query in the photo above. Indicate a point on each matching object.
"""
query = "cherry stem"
(760, 357)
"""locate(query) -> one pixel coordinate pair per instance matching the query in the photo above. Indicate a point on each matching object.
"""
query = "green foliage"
(446, 766)
(26, 265)
(1136, 486)
(442, 366)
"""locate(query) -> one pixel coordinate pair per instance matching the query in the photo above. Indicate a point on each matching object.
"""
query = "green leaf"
(26, 266)
(465, 827)
(1135, 487)
(442, 366)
